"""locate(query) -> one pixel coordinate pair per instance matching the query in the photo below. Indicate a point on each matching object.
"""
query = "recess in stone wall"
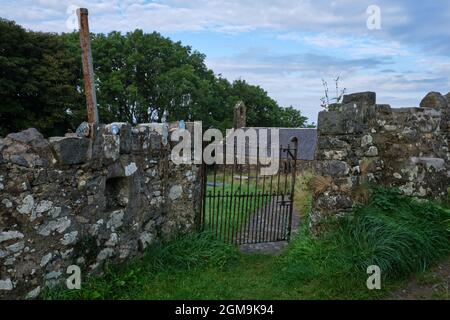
(117, 193)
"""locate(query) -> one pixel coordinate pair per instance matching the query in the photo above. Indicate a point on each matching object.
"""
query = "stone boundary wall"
(73, 200)
(362, 143)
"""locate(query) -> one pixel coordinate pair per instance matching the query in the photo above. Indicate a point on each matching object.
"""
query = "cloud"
(307, 64)
(296, 79)
(242, 15)
(423, 24)
(319, 40)
(325, 41)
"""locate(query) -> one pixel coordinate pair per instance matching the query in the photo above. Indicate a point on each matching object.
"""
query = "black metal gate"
(241, 206)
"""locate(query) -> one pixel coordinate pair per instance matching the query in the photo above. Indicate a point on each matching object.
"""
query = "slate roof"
(307, 138)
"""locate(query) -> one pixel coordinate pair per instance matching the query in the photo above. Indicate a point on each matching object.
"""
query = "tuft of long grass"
(189, 252)
(302, 193)
(399, 234)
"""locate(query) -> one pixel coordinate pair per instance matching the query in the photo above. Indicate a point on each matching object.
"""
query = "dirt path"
(433, 284)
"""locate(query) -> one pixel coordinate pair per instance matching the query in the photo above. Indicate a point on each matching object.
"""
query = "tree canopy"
(139, 77)
(38, 81)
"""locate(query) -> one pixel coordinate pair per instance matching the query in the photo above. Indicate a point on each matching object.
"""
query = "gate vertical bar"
(229, 224)
(201, 219)
(279, 194)
(259, 203)
(247, 207)
(224, 199)
(238, 213)
(257, 197)
(263, 210)
(214, 199)
(236, 199)
(272, 198)
(208, 197)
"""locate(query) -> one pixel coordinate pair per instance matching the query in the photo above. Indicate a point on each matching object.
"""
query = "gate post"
(294, 140)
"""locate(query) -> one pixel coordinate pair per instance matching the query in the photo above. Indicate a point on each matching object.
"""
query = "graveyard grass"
(226, 210)
(401, 235)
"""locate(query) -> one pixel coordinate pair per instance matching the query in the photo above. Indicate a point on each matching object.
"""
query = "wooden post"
(88, 69)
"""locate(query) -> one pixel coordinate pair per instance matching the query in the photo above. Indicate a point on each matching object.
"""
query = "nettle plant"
(326, 100)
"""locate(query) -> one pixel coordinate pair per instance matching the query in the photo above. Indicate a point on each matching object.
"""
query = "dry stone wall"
(73, 200)
(362, 143)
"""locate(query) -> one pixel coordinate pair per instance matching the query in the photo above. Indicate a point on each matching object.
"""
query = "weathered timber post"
(88, 69)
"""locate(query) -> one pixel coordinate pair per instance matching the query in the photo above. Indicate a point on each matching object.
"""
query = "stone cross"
(240, 115)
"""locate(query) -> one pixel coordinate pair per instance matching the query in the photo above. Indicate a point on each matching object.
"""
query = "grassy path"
(430, 285)
(248, 276)
(228, 208)
(253, 277)
(193, 269)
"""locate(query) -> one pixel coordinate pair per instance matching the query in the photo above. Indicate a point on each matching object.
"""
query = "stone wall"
(75, 200)
(362, 143)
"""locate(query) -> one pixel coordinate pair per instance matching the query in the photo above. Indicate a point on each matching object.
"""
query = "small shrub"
(319, 184)
(361, 193)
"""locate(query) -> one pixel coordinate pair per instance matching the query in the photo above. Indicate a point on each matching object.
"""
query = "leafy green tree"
(290, 117)
(139, 77)
(37, 82)
(261, 109)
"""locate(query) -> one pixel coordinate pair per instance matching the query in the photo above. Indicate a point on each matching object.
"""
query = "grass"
(401, 235)
(130, 281)
(302, 193)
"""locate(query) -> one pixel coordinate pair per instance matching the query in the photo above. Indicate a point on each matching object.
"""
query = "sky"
(399, 49)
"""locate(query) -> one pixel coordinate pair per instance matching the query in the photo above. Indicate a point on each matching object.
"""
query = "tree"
(262, 111)
(290, 117)
(139, 77)
(37, 81)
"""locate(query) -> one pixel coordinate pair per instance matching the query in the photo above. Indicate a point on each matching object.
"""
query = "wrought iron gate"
(241, 206)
